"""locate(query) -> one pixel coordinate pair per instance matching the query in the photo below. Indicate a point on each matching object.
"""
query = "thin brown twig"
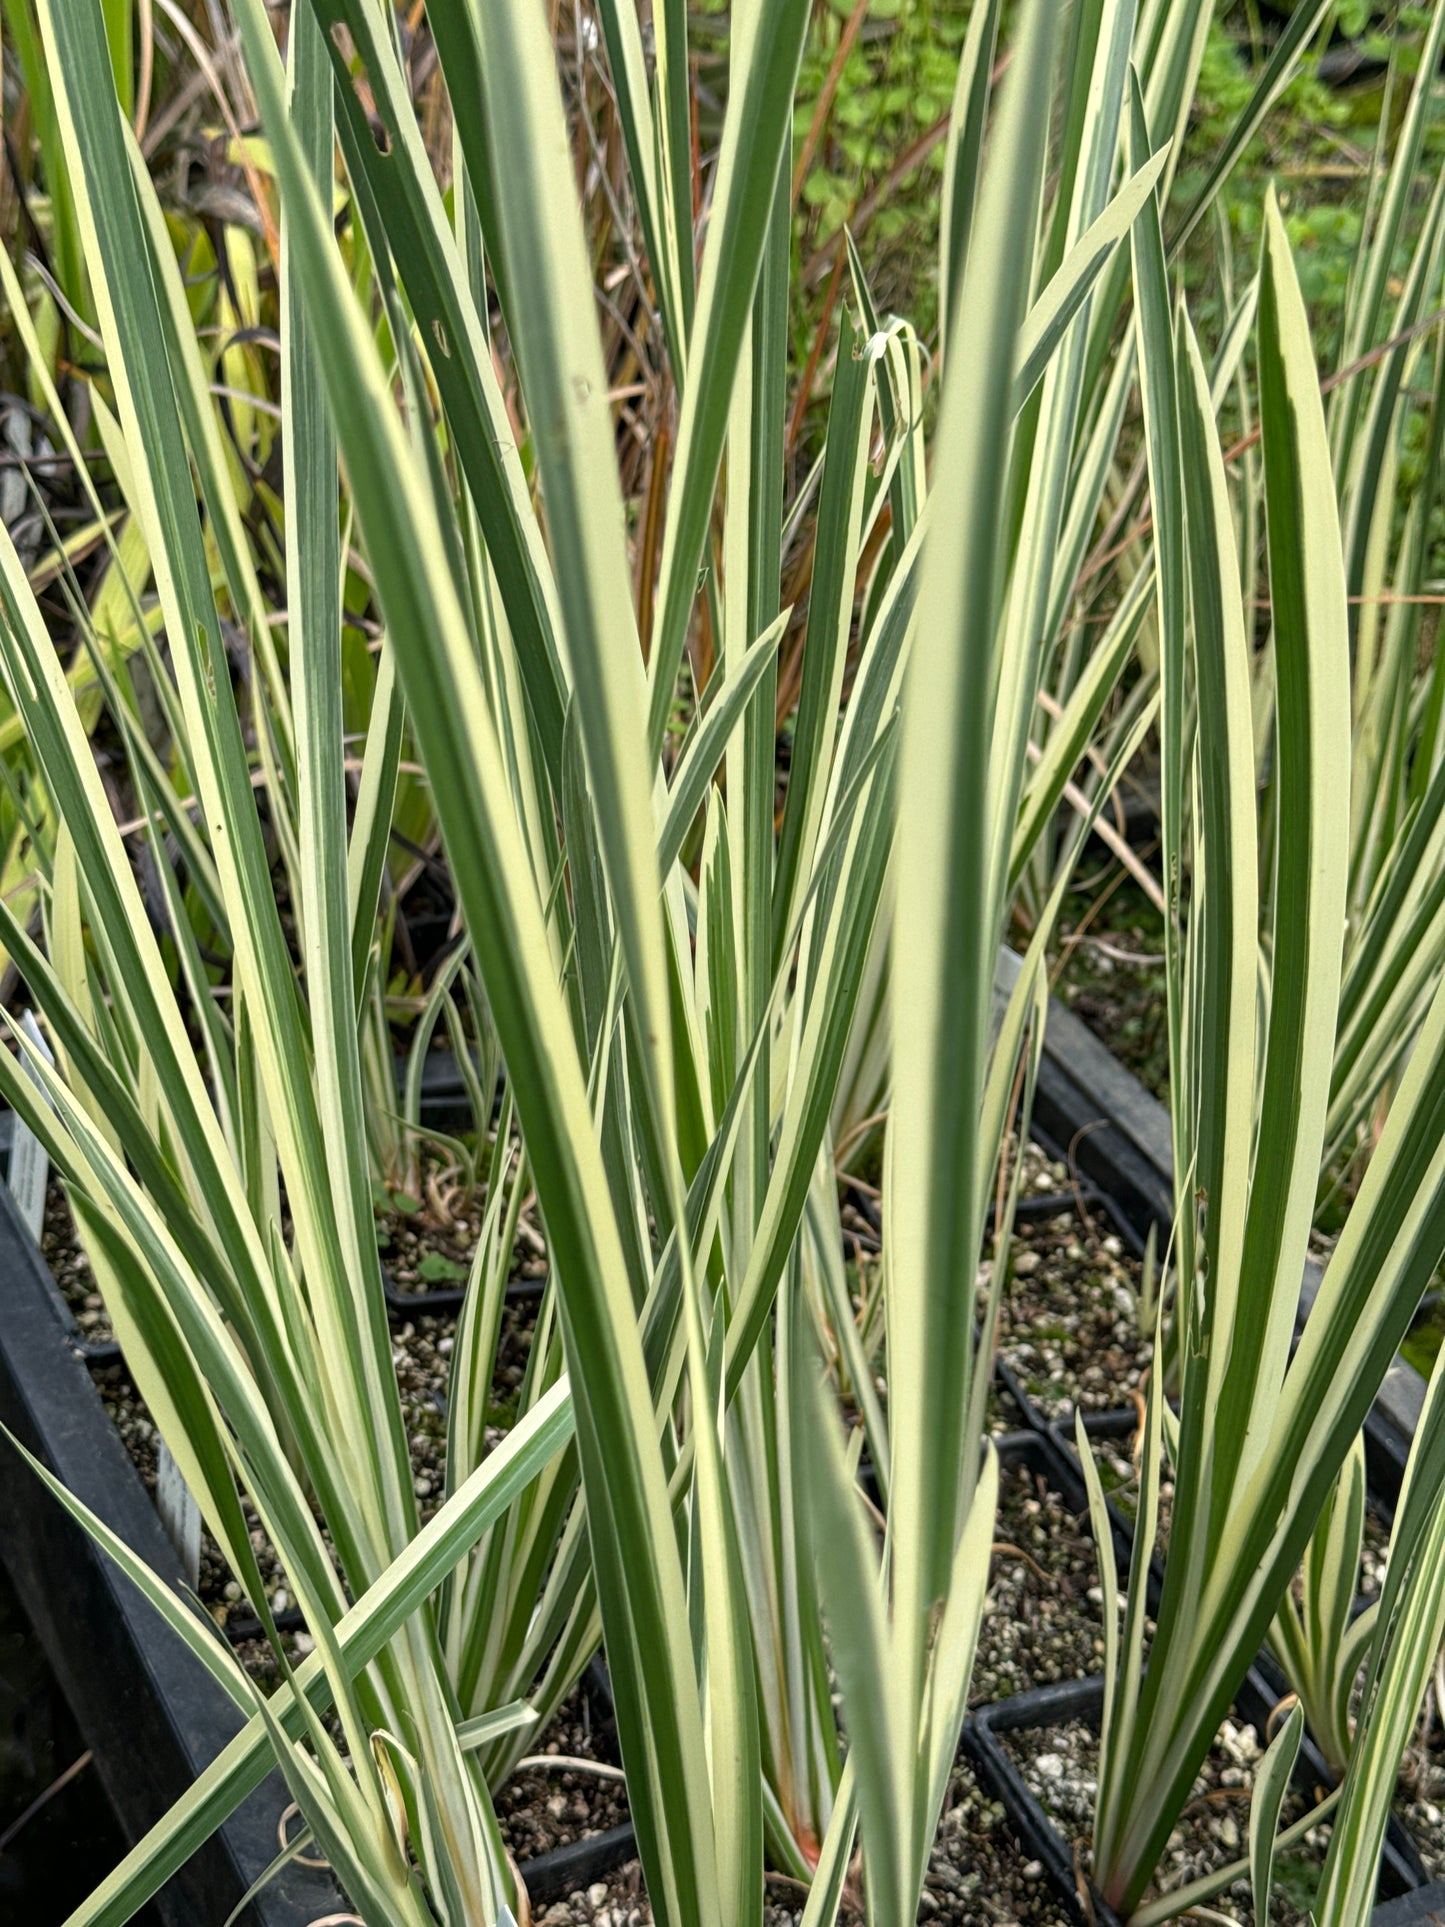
(824, 104)
(1007, 1546)
(61, 1781)
(651, 535)
(908, 162)
(815, 356)
(786, 1880)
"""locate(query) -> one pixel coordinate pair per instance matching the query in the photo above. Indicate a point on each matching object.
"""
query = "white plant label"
(180, 1515)
(29, 1160)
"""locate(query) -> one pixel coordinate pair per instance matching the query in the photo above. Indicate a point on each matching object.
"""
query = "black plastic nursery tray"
(1094, 1115)
(552, 1876)
(154, 1718)
(447, 1300)
(1045, 1706)
(578, 1863)
(1402, 1881)
(149, 1712)
(1115, 1137)
(151, 1716)
(1401, 1870)
(1420, 1909)
(445, 1105)
(58, 1835)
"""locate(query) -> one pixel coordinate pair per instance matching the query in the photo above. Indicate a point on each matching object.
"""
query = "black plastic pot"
(1052, 1455)
(446, 1300)
(1067, 1476)
(1419, 1909)
(445, 1105)
(565, 1869)
(1100, 1119)
(552, 1875)
(1401, 1866)
(1035, 1832)
(1085, 1198)
(1049, 1706)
